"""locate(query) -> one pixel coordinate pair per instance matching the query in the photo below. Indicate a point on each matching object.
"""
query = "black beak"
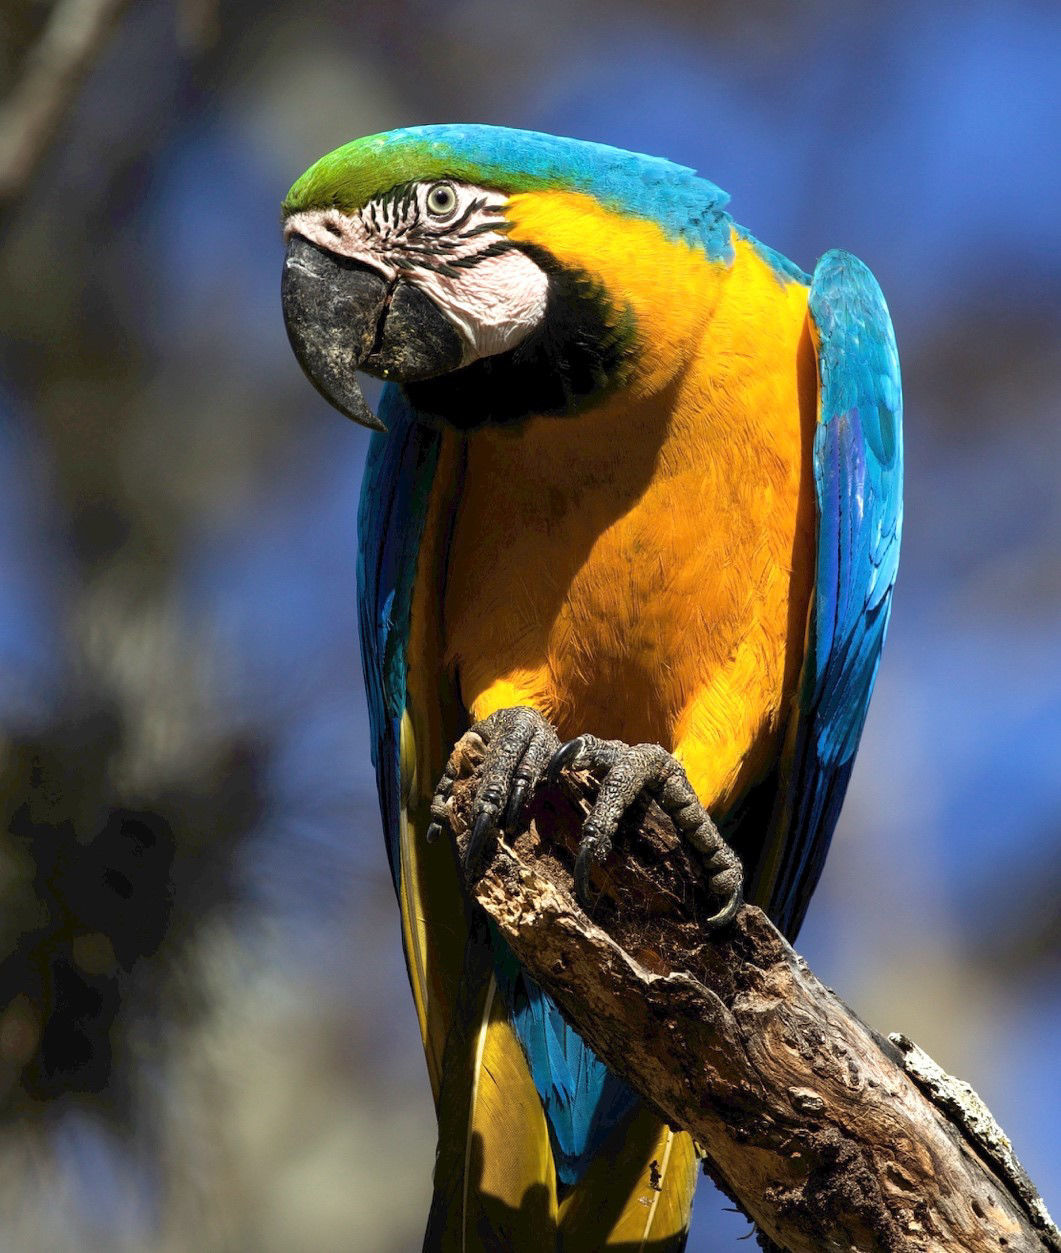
(342, 316)
(332, 307)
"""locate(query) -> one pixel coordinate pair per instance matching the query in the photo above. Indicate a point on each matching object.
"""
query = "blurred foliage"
(99, 882)
(206, 1039)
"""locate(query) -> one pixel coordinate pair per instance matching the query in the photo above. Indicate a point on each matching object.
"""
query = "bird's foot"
(632, 775)
(519, 745)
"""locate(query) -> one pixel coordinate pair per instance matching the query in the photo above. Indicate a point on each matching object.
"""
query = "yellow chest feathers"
(643, 570)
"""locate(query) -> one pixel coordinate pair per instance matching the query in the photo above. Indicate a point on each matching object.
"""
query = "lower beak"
(342, 316)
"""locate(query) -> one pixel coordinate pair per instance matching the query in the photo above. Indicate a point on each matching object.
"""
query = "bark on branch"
(828, 1136)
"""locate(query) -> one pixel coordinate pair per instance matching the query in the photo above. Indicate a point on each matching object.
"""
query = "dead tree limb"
(828, 1136)
(54, 68)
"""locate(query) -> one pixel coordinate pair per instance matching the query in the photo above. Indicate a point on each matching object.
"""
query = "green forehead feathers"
(356, 173)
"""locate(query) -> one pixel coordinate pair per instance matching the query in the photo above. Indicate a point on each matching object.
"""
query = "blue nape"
(686, 206)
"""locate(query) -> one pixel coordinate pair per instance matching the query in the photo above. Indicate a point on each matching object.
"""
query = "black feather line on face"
(498, 248)
(436, 267)
(582, 349)
(499, 225)
(494, 250)
(465, 263)
(427, 251)
(434, 255)
(395, 210)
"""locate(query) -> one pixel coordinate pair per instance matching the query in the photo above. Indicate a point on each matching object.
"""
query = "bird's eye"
(442, 200)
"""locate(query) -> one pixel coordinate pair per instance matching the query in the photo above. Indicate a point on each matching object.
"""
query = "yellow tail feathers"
(495, 1183)
(637, 1195)
(495, 1179)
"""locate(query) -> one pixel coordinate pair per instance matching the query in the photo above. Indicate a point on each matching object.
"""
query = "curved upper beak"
(342, 316)
(332, 309)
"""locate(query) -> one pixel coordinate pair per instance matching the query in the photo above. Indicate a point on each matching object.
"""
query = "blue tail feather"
(583, 1101)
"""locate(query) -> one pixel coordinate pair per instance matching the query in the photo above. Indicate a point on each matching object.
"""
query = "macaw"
(633, 500)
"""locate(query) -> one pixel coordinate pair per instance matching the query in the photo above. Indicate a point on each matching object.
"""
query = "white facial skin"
(448, 239)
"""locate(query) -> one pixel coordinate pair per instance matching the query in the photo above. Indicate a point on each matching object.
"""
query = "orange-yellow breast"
(642, 571)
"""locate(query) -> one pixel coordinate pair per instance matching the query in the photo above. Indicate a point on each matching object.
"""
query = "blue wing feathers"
(399, 472)
(858, 468)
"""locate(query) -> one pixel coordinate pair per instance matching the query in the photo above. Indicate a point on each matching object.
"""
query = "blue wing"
(581, 1099)
(858, 472)
(399, 473)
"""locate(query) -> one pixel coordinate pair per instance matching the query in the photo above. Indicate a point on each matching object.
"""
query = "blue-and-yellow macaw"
(637, 477)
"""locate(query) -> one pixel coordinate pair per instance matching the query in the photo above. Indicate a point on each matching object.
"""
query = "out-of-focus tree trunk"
(53, 70)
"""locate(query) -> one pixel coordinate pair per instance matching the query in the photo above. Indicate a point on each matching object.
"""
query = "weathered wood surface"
(807, 1117)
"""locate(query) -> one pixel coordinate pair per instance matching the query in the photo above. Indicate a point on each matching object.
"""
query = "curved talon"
(595, 845)
(564, 756)
(581, 875)
(631, 776)
(518, 752)
(482, 829)
(515, 803)
(516, 744)
(727, 913)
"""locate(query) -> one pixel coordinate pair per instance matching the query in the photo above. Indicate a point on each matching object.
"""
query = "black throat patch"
(582, 349)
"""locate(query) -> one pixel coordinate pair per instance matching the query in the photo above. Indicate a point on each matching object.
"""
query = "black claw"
(564, 756)
(727, 913)
(632, 775)
(482, 830)
(517, 743)
(581, 875)
(594, 846)
(515, 803)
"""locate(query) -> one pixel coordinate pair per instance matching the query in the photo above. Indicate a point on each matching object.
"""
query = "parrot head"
(449, 259)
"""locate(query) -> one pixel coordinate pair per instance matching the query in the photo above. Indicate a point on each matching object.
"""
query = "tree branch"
(53, 71)
(809, 1119)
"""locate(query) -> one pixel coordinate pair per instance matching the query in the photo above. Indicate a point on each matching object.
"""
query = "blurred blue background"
(178, 639)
